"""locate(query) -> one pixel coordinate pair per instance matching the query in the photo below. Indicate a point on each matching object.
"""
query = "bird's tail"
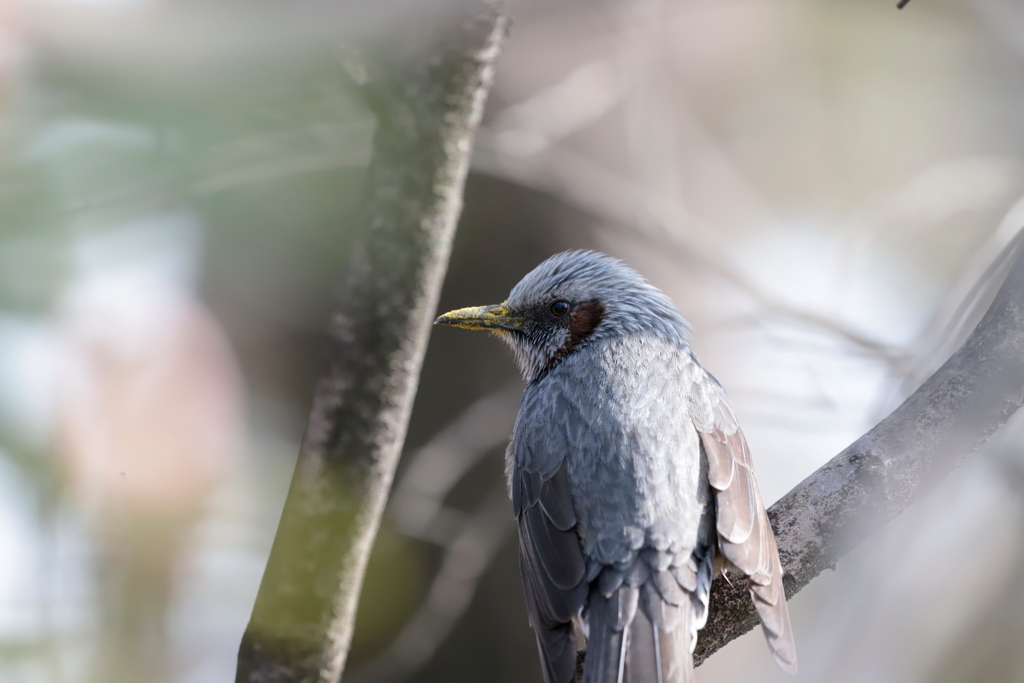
(636, 636)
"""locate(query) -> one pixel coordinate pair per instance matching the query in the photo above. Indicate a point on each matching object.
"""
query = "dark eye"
(559, 308)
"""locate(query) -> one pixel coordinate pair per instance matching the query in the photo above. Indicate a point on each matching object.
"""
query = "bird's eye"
(559, 308)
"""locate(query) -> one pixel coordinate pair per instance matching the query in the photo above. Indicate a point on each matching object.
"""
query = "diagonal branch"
(428, 95)
(948, 418)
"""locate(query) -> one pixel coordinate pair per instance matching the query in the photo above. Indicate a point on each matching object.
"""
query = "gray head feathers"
(605, 297)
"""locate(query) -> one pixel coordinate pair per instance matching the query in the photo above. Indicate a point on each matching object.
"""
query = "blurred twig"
(932, 432)
(962, 307)
(417, 503)
(604, 193)
(467, 555)
(428, 95)
(470, 541)
(524, 145)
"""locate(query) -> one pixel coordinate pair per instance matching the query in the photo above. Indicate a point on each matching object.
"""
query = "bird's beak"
(497, 317)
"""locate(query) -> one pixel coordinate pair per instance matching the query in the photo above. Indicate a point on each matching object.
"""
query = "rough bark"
(428, 95)
(875, 478)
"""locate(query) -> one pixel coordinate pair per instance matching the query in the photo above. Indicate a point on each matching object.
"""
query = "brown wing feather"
(737, 502)
(745, 536)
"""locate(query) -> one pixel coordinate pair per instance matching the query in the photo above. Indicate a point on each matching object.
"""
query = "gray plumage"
(628, 474)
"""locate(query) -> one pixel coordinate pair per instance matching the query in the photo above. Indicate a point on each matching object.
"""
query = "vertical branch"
(428, 96)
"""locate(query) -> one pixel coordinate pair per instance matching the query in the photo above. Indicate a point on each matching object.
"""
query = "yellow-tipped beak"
(482, 318)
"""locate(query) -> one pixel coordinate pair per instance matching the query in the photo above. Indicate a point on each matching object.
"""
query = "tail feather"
(643, 651)
(676, 652)
(606, 635)
(655, 654)
(635, 636)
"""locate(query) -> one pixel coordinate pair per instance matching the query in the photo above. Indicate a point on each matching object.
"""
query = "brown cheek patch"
(584, 320)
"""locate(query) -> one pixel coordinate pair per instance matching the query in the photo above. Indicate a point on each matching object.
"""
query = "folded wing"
(745, 535)
(551, 563)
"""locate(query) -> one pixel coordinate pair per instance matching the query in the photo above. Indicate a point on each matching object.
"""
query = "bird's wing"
(550, 557)
(745, 535)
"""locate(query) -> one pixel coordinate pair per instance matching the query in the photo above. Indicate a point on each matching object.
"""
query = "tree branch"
(875, 478)
(428, 96)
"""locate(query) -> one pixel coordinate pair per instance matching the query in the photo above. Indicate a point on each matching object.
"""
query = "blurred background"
(825, 187)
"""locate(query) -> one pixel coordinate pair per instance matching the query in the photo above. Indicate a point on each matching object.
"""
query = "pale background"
(817, 184)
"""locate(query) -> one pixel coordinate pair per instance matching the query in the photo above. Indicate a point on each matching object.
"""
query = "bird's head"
(568, 302)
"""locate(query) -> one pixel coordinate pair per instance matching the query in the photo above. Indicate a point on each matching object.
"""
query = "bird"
(631, 483)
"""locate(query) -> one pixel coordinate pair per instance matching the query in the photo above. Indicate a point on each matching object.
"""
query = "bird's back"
(611, 425)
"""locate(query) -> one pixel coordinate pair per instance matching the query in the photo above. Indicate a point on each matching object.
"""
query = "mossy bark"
(428, 96)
